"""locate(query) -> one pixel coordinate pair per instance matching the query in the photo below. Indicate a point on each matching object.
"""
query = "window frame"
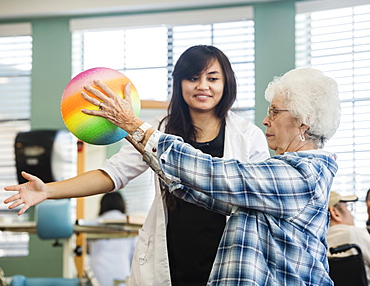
(203, 16)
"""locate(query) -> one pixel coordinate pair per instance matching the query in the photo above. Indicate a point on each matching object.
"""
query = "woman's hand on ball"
(117, 110)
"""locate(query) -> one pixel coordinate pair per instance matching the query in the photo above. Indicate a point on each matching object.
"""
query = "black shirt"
(193, 233)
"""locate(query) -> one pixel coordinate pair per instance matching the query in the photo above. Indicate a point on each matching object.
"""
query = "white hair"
(312, 98)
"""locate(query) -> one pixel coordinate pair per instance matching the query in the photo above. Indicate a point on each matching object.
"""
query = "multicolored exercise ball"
(94, 129)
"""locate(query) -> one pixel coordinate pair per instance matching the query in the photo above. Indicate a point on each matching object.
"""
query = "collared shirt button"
(154, 149)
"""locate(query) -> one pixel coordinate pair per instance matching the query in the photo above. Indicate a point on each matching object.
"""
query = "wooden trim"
(153, 104)
(80, 213)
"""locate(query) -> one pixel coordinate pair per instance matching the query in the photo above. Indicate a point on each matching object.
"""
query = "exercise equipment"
(94, 129)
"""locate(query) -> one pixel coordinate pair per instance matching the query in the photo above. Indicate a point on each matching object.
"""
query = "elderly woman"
(278, 207)
(279, 220)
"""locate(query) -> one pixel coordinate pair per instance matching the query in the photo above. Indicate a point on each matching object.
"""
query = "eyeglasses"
(273, 112)
(349, 205)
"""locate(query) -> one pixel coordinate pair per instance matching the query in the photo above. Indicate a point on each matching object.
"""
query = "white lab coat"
(243, 141)
(110, 259)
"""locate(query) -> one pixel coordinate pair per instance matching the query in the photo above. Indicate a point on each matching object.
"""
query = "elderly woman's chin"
(272, 146)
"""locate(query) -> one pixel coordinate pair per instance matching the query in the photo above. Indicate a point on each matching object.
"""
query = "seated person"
(110, 259)
(342, 229)
(367, 199)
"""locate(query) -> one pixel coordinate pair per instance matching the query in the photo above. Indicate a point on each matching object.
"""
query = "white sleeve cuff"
(152, 144)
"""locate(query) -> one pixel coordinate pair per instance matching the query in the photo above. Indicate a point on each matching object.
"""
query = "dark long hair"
(112, 201)
(193, 62)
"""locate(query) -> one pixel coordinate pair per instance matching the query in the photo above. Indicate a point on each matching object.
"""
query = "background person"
(277, 229)
(110, 259)
(175, 232)
(342, 228)
(367, 199)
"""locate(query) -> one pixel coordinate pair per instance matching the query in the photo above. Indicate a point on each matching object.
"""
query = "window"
(337, 41)
(15, 90)
(146, 47)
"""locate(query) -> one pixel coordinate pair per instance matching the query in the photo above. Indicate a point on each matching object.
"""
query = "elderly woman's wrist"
(134, 125)
(147, 135)
(138, 135)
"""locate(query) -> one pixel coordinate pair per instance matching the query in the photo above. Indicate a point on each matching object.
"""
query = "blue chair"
(20, 280)
(54, 219)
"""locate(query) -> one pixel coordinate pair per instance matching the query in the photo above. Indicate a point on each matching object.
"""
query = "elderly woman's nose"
(266, 121)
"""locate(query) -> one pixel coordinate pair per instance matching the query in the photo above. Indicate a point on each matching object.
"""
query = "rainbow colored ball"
(94, 129)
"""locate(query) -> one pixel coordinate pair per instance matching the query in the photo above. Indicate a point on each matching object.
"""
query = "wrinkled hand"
(31, 193)
(117, 110)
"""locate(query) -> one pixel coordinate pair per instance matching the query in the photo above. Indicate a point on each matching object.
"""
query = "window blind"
(15, 90)
(337, 41)
(146, 47)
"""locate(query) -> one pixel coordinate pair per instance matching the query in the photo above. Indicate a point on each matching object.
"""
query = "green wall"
(43, 260)
(274, 47)
(274, 35)
(51, 71)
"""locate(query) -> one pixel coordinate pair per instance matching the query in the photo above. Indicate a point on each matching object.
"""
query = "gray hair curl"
(312, 98)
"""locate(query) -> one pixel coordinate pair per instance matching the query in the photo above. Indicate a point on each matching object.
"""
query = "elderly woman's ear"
(303, 129)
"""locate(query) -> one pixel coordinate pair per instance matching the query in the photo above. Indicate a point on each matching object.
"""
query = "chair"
(20, 280)
(54, 219)
(349, 270)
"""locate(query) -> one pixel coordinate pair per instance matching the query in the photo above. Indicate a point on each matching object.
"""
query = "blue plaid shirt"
(279, 219)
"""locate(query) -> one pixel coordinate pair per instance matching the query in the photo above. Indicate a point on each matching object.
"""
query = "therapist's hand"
(117, 110)
(29, 194)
